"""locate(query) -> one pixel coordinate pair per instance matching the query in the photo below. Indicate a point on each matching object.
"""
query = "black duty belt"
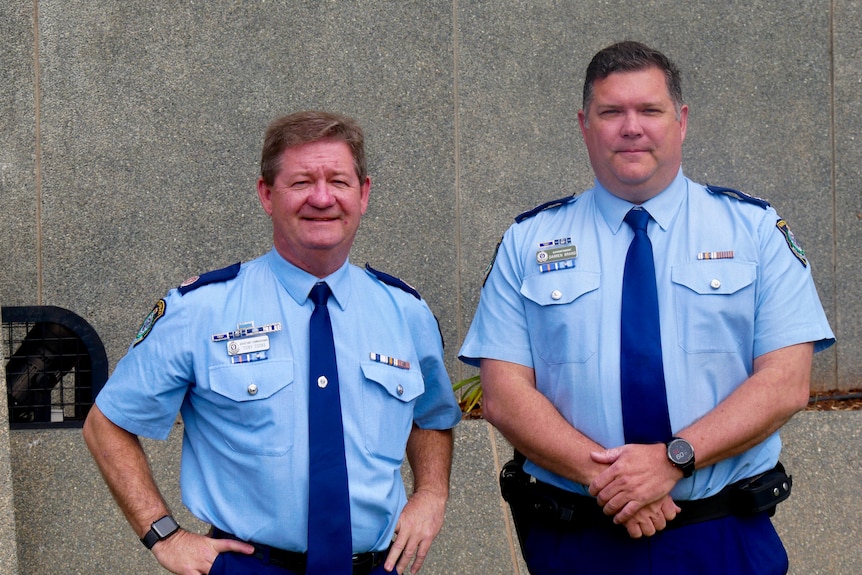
(547, 503)
(363, 563)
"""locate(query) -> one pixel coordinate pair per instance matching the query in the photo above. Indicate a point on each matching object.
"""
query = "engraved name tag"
(250, 345)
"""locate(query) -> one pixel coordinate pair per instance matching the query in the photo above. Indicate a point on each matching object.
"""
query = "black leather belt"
(363, 563)
(749, 496)
(569, 508)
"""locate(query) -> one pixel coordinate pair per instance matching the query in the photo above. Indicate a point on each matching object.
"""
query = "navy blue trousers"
(239, 564)
(729, 546)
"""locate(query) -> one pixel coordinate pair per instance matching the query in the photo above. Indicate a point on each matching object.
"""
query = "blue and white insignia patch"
(736, 194)
(221, 275)
(794, 246)
(542, 207)
(150, 321)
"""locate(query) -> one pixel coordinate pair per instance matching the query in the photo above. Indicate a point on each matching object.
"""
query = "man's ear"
(364, 191)
(264, 194)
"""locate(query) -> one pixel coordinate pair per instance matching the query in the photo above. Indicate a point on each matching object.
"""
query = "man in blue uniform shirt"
(230, 350)
(730, 348)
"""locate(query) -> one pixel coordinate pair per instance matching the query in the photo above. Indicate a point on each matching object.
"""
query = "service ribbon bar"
(557, 266)
(247, 357)
(399, 363)
(728, 255)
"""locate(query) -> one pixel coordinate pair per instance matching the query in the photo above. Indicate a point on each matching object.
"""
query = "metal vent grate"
(56, 366)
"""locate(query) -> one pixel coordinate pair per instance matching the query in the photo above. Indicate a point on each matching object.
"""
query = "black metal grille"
(51, 378)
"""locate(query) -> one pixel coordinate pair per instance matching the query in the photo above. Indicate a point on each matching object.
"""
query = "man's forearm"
(429, 452)
(778, 388)
(123, 464)
(533, 424)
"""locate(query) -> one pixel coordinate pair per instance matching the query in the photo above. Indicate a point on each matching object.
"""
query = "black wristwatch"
(161, 529)
(681, 454)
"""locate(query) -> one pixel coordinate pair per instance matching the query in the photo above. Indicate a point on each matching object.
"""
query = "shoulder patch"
(216, 276)
(738, 195)
(542, 207)
(150, 321)
(794, 246)
(492, 262)
(393, 281)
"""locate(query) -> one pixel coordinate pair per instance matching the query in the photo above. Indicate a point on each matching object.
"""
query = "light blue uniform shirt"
(245, 448)
(750, 295)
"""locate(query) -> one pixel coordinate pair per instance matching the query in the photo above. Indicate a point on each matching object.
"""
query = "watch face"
(679, 451)
(165, 526)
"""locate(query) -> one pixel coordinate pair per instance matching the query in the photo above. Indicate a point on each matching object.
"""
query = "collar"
(663, 207)
(298, 282)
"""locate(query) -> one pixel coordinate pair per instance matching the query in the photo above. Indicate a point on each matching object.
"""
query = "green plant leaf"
(470, 393)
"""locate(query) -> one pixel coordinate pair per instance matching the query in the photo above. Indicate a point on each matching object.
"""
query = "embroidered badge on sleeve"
(150, 321)
(791, 242)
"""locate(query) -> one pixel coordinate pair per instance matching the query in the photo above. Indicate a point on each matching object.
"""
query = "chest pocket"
(255, 402)
(389, 394)
(714, 304)
(563, 314)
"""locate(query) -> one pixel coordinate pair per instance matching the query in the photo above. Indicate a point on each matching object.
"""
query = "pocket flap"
(402, 384)
(715, 277)
(251, 381)
(559, 287)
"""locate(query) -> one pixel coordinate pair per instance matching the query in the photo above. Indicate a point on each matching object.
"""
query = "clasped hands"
(635, 487)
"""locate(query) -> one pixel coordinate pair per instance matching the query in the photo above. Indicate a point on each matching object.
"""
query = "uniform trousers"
(731, 545)
(240, 564)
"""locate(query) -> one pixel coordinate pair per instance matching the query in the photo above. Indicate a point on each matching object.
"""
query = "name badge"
(556, 254)
(249, 345)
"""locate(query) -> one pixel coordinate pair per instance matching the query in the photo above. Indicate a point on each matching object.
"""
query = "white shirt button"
(252, 389)
(556, 294)
(715, 284)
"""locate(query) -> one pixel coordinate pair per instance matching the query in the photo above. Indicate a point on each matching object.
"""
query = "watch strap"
(150, 539)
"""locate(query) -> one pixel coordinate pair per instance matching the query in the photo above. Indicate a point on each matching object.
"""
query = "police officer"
(230, 351)
(736, 323)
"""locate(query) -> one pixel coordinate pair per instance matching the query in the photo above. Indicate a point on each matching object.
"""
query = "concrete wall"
(67, 522)
(130, 134)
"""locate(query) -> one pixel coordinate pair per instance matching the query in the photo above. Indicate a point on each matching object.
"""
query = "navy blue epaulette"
(393, 281)
(215, 276)
(738, 195)
(546, 206)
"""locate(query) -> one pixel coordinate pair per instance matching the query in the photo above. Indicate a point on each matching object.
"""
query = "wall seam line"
(37, 102)
(834, 185)
(456, 126)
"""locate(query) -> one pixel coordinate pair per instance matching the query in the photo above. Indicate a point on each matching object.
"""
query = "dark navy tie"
(329, 539)
(644, 398)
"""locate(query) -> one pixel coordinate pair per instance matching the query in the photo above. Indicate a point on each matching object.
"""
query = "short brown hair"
(632, 56)
(304, 128)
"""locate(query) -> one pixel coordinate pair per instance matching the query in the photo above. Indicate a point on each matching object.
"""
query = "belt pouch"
(762, 492)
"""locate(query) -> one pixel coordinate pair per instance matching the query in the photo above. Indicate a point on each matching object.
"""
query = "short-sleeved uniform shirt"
(732, 285)
(244, 408)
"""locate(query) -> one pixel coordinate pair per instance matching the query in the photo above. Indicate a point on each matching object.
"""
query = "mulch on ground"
(836, 400)
(833, 400)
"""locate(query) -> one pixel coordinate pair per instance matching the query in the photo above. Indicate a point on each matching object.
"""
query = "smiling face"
(316, 202)
(634, 133)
